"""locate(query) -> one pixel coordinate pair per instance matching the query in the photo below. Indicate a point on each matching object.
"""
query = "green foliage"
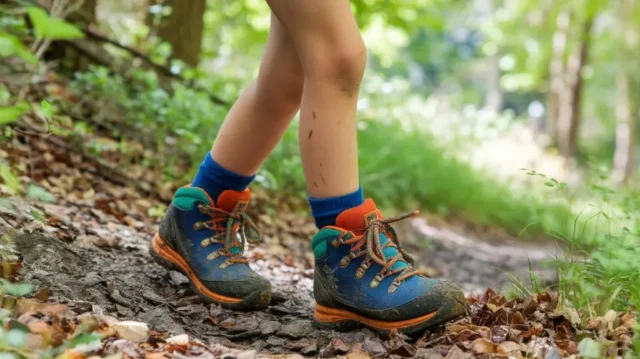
(10, 114)
(47, 27)
(182, 120)
(37, 193)
(15, 289)
(10, 45)
(9, 178)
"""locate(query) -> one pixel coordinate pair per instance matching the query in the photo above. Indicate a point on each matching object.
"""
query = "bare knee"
(342, 65)
(280, 92)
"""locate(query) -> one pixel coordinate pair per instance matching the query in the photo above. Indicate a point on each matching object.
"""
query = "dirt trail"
(89, 259)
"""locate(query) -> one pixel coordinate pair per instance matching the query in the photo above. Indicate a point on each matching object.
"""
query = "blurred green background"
(460, 102)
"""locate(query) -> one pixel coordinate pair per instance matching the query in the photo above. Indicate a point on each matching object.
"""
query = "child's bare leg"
(333, 55)
(262, 113)
(257, 120)
(360, 275)
(201, 233)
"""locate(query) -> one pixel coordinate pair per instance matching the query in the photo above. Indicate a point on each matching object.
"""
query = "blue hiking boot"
(205, 240)
(363, 277)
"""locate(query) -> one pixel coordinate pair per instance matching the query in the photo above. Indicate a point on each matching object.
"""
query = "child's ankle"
(326, 210)
(215, 179)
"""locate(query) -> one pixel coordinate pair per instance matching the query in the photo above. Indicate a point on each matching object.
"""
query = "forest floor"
(82, 240)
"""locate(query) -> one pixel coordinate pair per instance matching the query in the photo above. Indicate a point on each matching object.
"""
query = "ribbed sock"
(215, 179)
(325, 210)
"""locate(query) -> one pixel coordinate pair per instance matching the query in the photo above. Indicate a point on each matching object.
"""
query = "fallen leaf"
(508, 348)
(24, 305)
(483, 346)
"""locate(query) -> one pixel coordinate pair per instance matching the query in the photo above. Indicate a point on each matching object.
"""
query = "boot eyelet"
(335, 243)
(198, 226)
(205, 242)
(394, 285)
(224, 264)
(201, 208)
(362, 270)
(213, 255)
(374, 283)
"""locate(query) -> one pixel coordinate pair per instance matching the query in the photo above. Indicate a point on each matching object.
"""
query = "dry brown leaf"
(24, 305)
(358, 355)
(508, 348)
(483, 346)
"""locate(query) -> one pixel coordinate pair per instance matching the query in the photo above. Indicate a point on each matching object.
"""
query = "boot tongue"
(357, 219)
(234, 201)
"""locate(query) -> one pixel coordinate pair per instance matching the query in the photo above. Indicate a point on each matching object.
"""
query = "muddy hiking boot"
(205, 240)
(363, 277)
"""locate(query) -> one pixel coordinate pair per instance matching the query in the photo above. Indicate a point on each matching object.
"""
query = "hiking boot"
(364, 277)
(205, 240)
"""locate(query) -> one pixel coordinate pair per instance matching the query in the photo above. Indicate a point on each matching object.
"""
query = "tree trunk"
(557, 73)
(623, 158)
(183, 28)
(570, 98)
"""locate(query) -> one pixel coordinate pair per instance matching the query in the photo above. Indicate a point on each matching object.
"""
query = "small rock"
(132, 331)
(81, 307)
(310, 350)
(269, 327)
(178, 278)
(248, 354)
(373, 347)
(228, 356)
(296, 329)
(276, 342)
(181, 339)
(130, 349)
(215, 310)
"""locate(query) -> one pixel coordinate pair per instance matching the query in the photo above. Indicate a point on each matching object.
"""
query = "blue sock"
(215, 179)
(326, 210)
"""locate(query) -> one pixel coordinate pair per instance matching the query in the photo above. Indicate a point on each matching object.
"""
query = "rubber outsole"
(168, 258)
(343, 320)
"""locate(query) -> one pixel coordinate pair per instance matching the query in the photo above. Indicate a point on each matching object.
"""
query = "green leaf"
(52, 28)
(12, 113)
(37, 193)
(83, 338)
(11, 45)
(16, 289)
(47, 109)
(38, 215)
(9, 179)
(16, 338)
